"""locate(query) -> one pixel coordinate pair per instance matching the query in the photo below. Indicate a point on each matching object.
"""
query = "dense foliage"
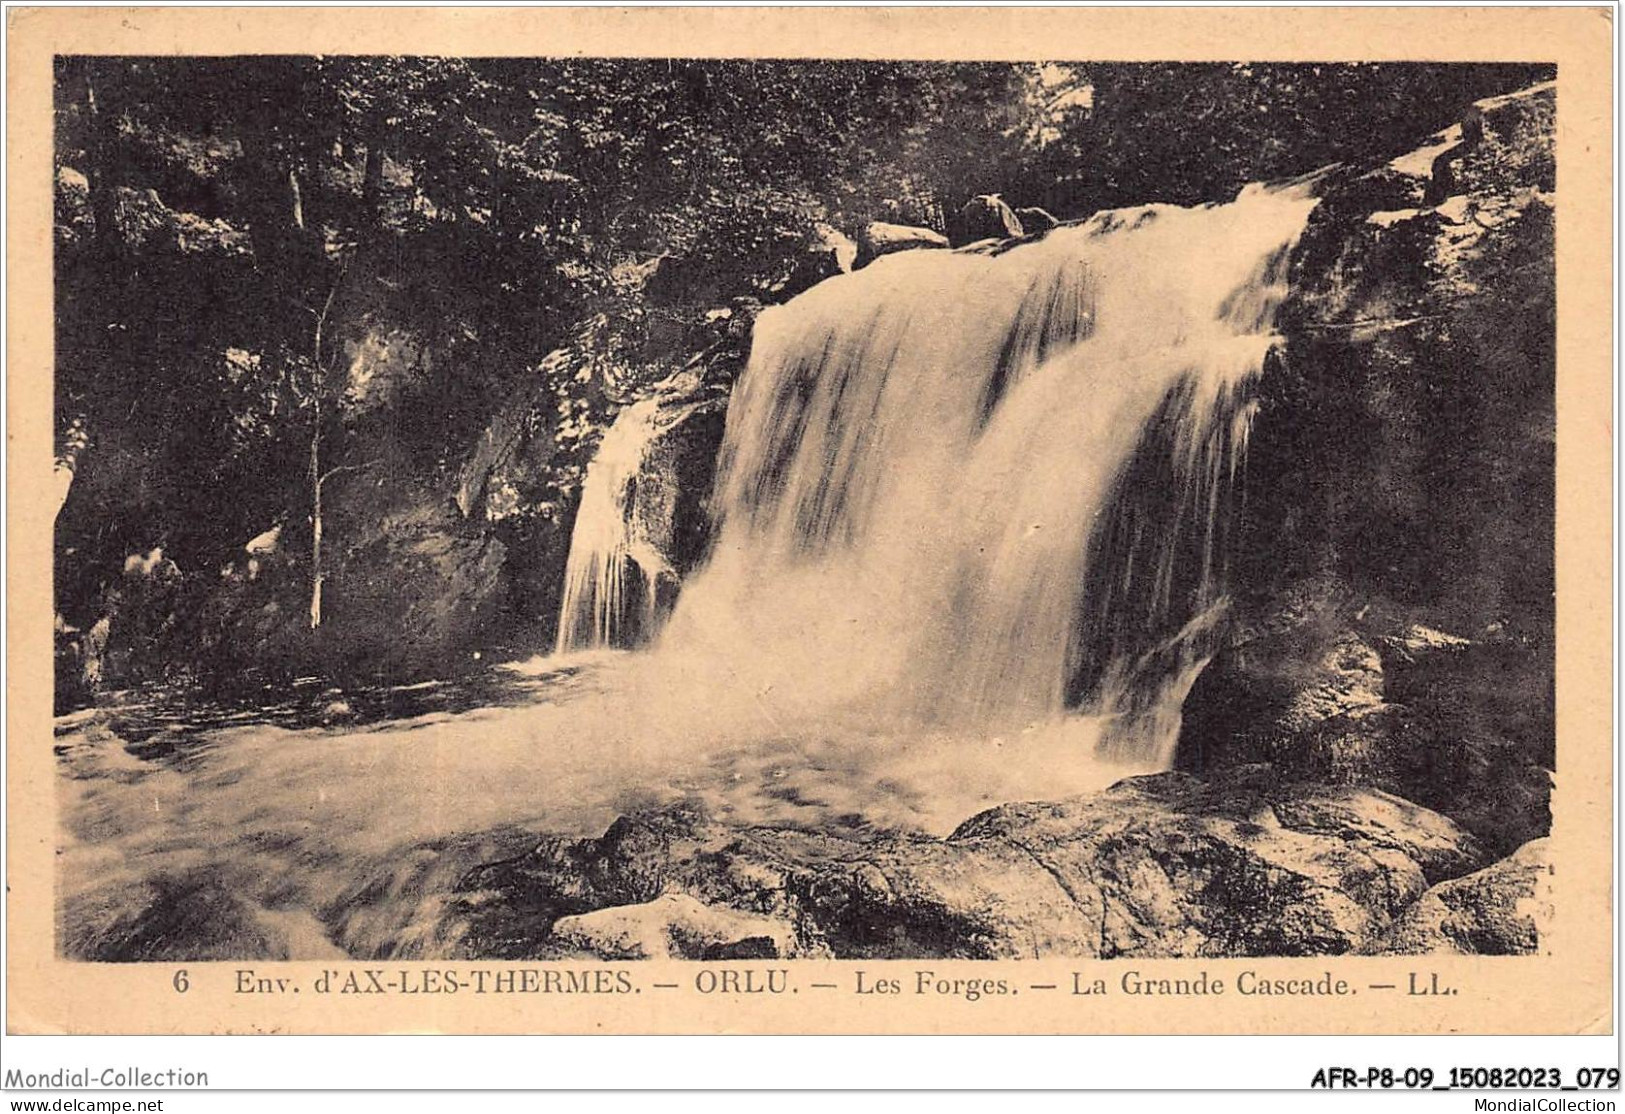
(284, 277)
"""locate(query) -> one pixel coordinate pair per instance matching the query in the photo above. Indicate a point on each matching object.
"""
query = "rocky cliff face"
(1394, 577)
(1411, 422)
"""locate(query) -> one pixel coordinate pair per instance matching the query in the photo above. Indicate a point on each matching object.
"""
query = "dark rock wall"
(1406, 440)
(1393, 575)
(432, 562)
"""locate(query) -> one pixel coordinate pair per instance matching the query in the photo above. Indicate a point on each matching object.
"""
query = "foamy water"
(329, 841)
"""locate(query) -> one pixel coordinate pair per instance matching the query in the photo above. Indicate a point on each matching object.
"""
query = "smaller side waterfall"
(620, 581)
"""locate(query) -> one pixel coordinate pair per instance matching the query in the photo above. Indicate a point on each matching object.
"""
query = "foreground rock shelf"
(1244, 864)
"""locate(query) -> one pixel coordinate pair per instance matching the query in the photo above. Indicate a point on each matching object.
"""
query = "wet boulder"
(1286, 677)
(1036, 221)
(676, 926)
(668, 506)
(1243, 864)
(1334, 688)
(1500, 910)
(826, 253)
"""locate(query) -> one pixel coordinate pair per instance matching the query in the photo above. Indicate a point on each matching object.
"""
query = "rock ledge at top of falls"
(1161, 865)
(1390, 245)
(879, 238)
(986, 217)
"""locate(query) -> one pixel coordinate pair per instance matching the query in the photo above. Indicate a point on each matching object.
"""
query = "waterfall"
(983, 489)
(614, 575)
(969, 526)
(987, 488)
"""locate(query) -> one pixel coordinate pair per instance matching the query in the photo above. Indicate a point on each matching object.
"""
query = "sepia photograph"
(519, 508)
(585, 524)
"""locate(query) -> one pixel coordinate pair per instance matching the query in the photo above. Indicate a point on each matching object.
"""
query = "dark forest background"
(364, 280)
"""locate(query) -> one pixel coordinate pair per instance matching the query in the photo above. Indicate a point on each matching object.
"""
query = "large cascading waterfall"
(984, 489)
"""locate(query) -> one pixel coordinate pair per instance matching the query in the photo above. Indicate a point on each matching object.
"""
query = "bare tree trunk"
(372, 176)
(317, 575)
(297, 201)
(318, 385)
(98, 173)
(316, 519)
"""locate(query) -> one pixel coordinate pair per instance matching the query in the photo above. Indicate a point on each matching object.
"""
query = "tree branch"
(321, 318)
(331, 472)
